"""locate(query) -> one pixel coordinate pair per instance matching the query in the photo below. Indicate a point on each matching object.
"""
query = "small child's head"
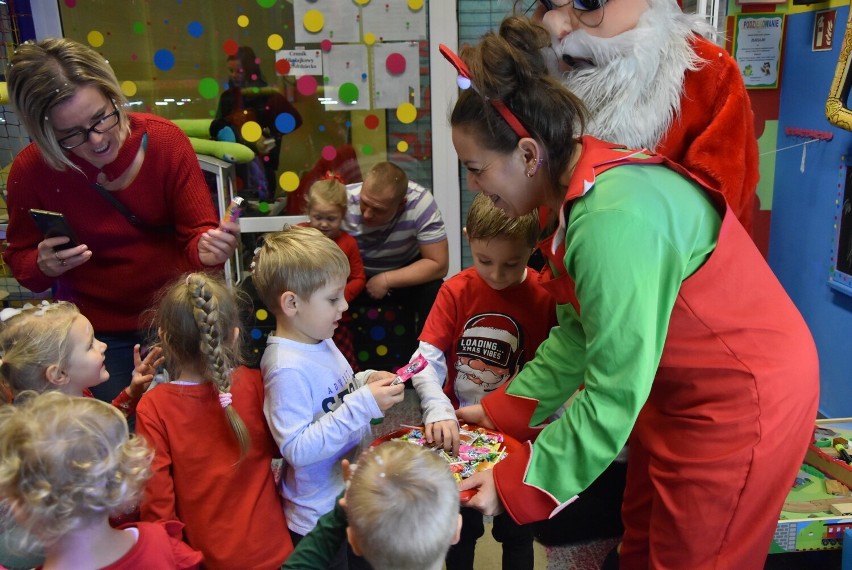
(198, 321)
(50, 347)
(500, 246)
(68, 462)
(326, 205)
(402, 505)
(300, 275)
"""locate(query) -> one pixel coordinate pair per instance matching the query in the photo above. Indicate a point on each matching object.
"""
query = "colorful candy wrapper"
(410, 370)
(233, 211)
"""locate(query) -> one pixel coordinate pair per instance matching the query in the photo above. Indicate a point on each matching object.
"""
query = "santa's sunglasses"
(589, 12)
(579, 5)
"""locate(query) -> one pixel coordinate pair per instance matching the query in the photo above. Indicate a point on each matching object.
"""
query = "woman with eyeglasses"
(128, 184)
(683, 339)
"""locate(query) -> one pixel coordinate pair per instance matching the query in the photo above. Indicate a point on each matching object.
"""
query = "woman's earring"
(530, 173)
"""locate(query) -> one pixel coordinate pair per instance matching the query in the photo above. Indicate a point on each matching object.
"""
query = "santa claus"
(651, 80)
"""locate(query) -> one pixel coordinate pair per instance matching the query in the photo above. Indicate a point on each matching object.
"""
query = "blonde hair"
(388, 175)
(329, 190)
(32, 340)
(67, 461)
(402, 490)
(45, 74)
(297, 259)
(486, 221)
(195, 317)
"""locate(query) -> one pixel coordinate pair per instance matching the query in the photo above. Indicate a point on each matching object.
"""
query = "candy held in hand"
(410, 370)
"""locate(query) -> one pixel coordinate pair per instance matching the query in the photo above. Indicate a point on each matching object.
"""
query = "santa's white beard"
(632, 88)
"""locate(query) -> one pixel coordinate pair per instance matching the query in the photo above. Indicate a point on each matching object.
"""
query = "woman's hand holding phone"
(54, 262)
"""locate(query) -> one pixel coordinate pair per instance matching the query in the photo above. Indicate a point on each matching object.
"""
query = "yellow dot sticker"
(402, 146)
(406, 113)
(243, 21)
(275, 42)
(313, 21)
(362, 2)
(261, 314)
(415, 5)
(128, 88)
(381, 350)
(95, 39)
(289, 181)
(369, 38)
(251, 131)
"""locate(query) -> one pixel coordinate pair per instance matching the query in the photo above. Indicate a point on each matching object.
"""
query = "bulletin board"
(840, 275)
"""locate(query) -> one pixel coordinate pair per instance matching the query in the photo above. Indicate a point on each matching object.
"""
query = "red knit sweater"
(129, 264)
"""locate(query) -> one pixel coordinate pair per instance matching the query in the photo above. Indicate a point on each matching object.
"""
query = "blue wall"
(802, 233)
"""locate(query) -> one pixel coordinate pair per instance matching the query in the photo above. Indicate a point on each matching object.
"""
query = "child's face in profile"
(326, 217)
(85, 365)
(501, 262)
(317, 317)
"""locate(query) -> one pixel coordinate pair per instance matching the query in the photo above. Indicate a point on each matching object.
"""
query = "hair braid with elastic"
(215, 333)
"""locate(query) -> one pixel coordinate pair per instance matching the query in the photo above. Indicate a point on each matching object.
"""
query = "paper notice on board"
(393, 86)
(393, 20)
(334, 20)
(302, 62)
(757, 48)
(347, 70)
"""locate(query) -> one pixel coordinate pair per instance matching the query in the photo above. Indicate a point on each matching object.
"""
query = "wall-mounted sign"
(824, 30)
(757, 49)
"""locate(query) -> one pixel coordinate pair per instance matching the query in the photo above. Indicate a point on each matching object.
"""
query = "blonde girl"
(52, 347)
(69, 462)
(326, 208)
(212, 448)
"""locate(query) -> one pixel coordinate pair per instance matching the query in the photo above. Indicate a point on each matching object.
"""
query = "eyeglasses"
(101, 126)
(464, 81)
(583, 9)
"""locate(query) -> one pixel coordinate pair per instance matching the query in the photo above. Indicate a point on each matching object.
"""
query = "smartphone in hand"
(54, 224)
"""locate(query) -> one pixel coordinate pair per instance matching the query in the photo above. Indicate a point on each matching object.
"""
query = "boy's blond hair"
(31, 341)
(486, 221)
(67, 461)
(403, 506)
(297, 259)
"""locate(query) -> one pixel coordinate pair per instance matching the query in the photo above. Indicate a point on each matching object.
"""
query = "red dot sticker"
(371, 121)
(325, 45)
(231, 47)
(329, 152)
(395, 63)
(282, 67)
(306, 85)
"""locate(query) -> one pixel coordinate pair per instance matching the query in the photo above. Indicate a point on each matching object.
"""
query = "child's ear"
(235, 336)
(55, 376)
(353, 540)
(287, 303)
(457, 535)
(464, 232)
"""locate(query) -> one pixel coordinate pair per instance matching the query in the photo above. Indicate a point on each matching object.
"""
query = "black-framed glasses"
(583, 9)
(101, 126)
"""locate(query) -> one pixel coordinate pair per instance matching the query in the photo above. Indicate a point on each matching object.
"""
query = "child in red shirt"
(212, 449)
(78, 453)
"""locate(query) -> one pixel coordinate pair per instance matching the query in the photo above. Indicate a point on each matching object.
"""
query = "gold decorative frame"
(835, 107)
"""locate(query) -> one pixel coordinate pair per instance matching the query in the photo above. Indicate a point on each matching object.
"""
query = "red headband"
(333, 176)
(498, 105)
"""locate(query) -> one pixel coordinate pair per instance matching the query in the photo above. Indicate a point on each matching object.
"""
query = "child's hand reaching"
(144, 370)
(444, 434)
(385, 394)
(379, 375)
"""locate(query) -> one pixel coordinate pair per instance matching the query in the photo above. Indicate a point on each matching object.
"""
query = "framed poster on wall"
(757, 49)
(840, 273)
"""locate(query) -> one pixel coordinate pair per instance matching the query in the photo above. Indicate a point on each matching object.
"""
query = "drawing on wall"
(348, 85)
(840, 277)
(396, 74)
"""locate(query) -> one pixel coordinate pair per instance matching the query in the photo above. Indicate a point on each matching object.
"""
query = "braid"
(214, 333)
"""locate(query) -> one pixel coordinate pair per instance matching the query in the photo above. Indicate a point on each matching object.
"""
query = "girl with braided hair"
(212, 448)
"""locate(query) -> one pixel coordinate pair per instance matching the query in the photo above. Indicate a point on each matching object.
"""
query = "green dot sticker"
(208, 88)
(348, 93)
